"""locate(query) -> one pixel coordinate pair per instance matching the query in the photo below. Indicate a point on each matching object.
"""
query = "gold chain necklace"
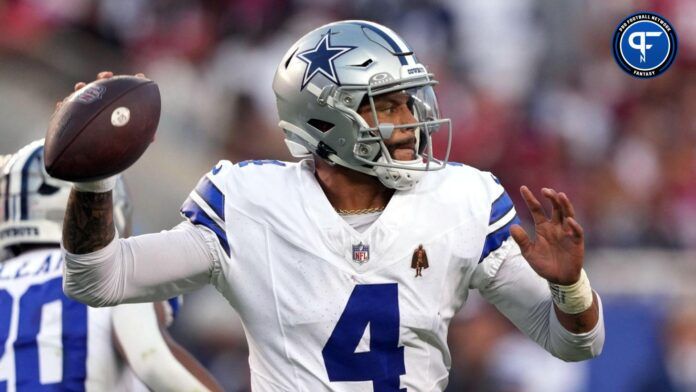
(360, 211)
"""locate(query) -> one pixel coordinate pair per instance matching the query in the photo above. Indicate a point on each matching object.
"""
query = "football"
(102, 129)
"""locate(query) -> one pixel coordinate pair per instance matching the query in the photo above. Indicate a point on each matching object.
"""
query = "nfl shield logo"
(89, 94)
(361, 253)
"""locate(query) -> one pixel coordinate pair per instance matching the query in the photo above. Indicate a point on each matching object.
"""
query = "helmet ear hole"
(364, 64)
(321, 125)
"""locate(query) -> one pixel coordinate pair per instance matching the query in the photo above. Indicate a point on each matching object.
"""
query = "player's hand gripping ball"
(102, 128)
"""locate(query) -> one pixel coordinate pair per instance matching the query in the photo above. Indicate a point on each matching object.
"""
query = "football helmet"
(32, 203)
(330, 73)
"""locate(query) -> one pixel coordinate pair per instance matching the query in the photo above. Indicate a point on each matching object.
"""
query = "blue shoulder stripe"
(212, 195)
(501, 206)
(197, 216)
(495, 239)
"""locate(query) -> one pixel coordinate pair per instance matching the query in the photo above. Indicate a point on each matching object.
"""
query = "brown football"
(102, 129)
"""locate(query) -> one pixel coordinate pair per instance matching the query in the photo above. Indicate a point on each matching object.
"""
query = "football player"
(48, 340)
(317, 256)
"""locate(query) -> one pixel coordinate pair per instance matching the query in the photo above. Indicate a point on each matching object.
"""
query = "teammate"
(316, 256)
(50, 341)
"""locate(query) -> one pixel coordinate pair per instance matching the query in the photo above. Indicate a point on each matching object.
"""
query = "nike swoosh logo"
(216, 169)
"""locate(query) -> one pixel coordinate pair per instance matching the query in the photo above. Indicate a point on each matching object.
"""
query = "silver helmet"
(332, 71)
(32, 203)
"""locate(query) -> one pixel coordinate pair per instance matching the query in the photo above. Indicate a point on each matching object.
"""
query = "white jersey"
(48, 340)
(326, 307)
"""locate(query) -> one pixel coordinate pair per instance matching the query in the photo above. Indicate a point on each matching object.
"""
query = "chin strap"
(399, 179)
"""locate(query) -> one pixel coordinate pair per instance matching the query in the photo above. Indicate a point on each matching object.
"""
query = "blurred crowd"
(531, 87)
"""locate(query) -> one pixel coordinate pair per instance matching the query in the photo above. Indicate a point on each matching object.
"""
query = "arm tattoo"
(89, 222)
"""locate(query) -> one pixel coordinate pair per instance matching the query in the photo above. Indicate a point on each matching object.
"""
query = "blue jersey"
(45, 337)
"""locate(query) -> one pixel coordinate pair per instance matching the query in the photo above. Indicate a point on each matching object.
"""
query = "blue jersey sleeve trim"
(212, 195)
(495, 239)
(500, 207)
(197, 216)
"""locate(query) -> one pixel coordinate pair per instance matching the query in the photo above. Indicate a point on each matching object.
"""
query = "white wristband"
(99, 186)
(575, 298)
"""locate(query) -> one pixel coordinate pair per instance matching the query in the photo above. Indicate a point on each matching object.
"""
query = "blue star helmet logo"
(321, 58)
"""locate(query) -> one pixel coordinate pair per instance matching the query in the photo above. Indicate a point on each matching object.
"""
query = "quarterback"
(47, 340)
(347, 267)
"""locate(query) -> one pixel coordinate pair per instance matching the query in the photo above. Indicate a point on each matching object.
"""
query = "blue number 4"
(376, 305)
